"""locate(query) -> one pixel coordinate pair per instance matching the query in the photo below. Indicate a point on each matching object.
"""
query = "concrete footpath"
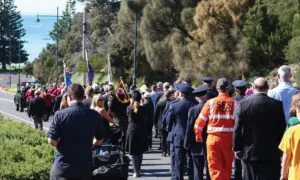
(154, 166)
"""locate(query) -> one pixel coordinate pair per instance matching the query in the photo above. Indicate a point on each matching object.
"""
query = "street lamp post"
(84, 34)
(134, 7)
(135, 49)
(19, 80)
(10, 54)
(56, 59)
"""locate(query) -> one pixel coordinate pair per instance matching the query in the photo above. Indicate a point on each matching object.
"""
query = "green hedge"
(24, 152)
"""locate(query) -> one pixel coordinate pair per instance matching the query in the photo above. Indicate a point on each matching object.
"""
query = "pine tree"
(11, 32)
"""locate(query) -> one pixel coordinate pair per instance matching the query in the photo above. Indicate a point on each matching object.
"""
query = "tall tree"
(219, 49)
(11, 32)
(161, 21)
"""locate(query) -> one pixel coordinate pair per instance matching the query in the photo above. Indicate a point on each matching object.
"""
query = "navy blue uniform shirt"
(177, 119)
(194, 112)
(74, 128)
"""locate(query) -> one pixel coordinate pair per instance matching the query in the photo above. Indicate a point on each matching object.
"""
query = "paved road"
(155, 167)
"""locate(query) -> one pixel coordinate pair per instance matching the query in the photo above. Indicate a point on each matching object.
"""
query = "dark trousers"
(150, 139)
(180, 157)
(198, 161)
(57, 173)
(137, 162)
(163, 142)
(124, 134)
(189, 165)
(237, 169)
(38, 122)
(172, 159)
(261, 170)
(48, 113)
(206, 162)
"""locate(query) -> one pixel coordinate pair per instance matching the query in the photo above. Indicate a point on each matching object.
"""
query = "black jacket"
(136, 136)
(259, 128)
(158, 114)
(36, 107)
(149, 110)
(57, 102)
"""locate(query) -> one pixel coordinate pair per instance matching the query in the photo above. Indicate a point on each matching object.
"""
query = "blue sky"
(32, 7)
(37, 34)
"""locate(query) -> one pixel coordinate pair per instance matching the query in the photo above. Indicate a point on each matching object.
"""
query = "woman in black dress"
(136, 140)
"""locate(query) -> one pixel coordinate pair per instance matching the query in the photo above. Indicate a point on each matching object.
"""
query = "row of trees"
(185, 38)
(11, 33)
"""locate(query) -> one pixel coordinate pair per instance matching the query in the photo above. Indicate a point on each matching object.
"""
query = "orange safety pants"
(219, 155)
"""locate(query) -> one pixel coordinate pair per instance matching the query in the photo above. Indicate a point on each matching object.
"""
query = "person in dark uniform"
(158, 120)
(197, 149)
(136, 141)
(36, 110)
(178, 116)
(73, 132)
(147, 102)
(169, 126)
(240, 87)
(212, 91)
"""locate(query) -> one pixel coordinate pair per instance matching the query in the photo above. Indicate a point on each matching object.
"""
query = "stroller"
(110, 163)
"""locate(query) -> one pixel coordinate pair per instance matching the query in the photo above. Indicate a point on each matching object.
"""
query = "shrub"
(24, 152)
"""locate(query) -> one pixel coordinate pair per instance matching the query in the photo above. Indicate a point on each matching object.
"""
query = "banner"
(91, 74)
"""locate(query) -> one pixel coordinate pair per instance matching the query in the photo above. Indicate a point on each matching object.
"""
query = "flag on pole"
(91, 73)
(67, 75)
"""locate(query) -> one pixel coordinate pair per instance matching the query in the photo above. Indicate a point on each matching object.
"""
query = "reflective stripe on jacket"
(218, 113)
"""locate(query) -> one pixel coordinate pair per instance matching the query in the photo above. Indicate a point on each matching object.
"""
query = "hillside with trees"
(176, 38)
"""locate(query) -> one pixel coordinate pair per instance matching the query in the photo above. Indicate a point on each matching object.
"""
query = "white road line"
(7, 100)
(21, 119)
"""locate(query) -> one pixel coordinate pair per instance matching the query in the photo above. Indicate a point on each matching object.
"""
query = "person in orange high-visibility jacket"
(218, 114)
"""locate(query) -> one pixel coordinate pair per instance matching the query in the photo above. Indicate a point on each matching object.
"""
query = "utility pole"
(108, 59)
(135, 8)
(56, 59)
(19, 63)
(84, 31)
(135, 49)
(10, 54)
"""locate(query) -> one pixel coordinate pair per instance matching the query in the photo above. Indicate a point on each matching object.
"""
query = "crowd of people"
(220, 126)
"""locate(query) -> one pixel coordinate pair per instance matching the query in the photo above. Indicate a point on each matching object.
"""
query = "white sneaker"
(135, 175)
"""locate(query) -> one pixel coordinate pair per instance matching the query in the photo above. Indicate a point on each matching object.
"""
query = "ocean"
(37, 34)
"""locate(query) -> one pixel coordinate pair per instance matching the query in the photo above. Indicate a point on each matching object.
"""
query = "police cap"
(239, 84)
(184, 88)
(200, 90)
(207, 79)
